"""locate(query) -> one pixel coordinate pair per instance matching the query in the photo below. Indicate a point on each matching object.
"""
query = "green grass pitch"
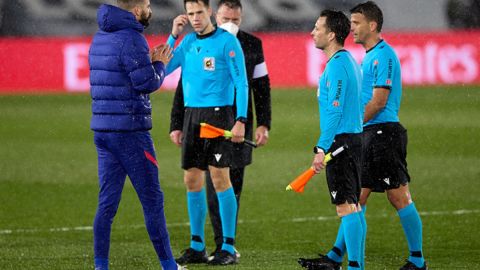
(48, 187)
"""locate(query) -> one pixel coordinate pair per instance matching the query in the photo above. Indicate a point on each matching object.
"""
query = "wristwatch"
(242, 119)
(318, 150)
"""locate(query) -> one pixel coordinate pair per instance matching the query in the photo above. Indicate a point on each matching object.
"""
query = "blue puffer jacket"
(121, 73)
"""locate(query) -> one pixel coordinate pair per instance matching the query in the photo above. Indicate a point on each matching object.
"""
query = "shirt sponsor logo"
(209, 63)
(339, 90)
(390, 68)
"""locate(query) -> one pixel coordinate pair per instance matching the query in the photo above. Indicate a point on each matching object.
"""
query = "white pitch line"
(186, 224)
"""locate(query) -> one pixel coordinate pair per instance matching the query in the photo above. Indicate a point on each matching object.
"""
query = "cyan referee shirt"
(339, 98)
(381, 69)
(213, 66)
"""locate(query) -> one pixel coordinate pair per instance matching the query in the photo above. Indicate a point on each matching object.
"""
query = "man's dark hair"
(233, 4)
(371, 12)
(205, 2)
(338, 23)
(129, 4)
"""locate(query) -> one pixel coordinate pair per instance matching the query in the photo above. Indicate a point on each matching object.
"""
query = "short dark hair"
(129, 4)
(233, 4)
(205, 2)
(371, 12)
(338, 23)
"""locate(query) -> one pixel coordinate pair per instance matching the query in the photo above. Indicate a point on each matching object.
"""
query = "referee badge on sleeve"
(209, 63)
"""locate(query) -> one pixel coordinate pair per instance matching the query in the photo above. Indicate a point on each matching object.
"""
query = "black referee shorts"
(385, 157)
(343, 171)
(200, 153)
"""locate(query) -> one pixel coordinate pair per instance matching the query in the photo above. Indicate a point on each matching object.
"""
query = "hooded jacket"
(121, 73)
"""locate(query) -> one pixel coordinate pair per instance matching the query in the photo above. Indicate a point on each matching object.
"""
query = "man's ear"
(137, 12)
(373, 26)
(209, 10)
(331, 36)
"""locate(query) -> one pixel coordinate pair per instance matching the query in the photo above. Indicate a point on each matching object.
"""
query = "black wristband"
(242, 119)
(317, 150)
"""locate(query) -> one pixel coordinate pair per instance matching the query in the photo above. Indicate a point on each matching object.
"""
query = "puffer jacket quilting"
(121, 73)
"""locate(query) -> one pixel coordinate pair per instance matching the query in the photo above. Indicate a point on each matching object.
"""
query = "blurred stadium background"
(434, 40)
(48, 182)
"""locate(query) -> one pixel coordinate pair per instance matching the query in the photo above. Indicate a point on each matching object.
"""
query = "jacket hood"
(111, 19)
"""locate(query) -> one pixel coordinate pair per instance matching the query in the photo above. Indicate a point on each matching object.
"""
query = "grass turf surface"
(48, 187)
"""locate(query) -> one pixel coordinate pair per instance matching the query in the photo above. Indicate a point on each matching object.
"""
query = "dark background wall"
(78, 17)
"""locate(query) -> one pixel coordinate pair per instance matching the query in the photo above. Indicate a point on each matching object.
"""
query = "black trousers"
(236, 177)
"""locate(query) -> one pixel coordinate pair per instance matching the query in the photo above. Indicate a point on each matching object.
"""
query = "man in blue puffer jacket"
(122, 74)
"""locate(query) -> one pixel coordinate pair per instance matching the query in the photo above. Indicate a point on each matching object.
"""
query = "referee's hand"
(238, 132)
(176, 136)
(179, 24)
(318, 164)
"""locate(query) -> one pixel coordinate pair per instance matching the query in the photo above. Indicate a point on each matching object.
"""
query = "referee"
(338, 95)
(385, 139)
(229, 17)
(213, 79)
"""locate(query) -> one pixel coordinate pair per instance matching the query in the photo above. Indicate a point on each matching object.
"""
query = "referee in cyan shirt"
(229, 17)
(214, 76)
